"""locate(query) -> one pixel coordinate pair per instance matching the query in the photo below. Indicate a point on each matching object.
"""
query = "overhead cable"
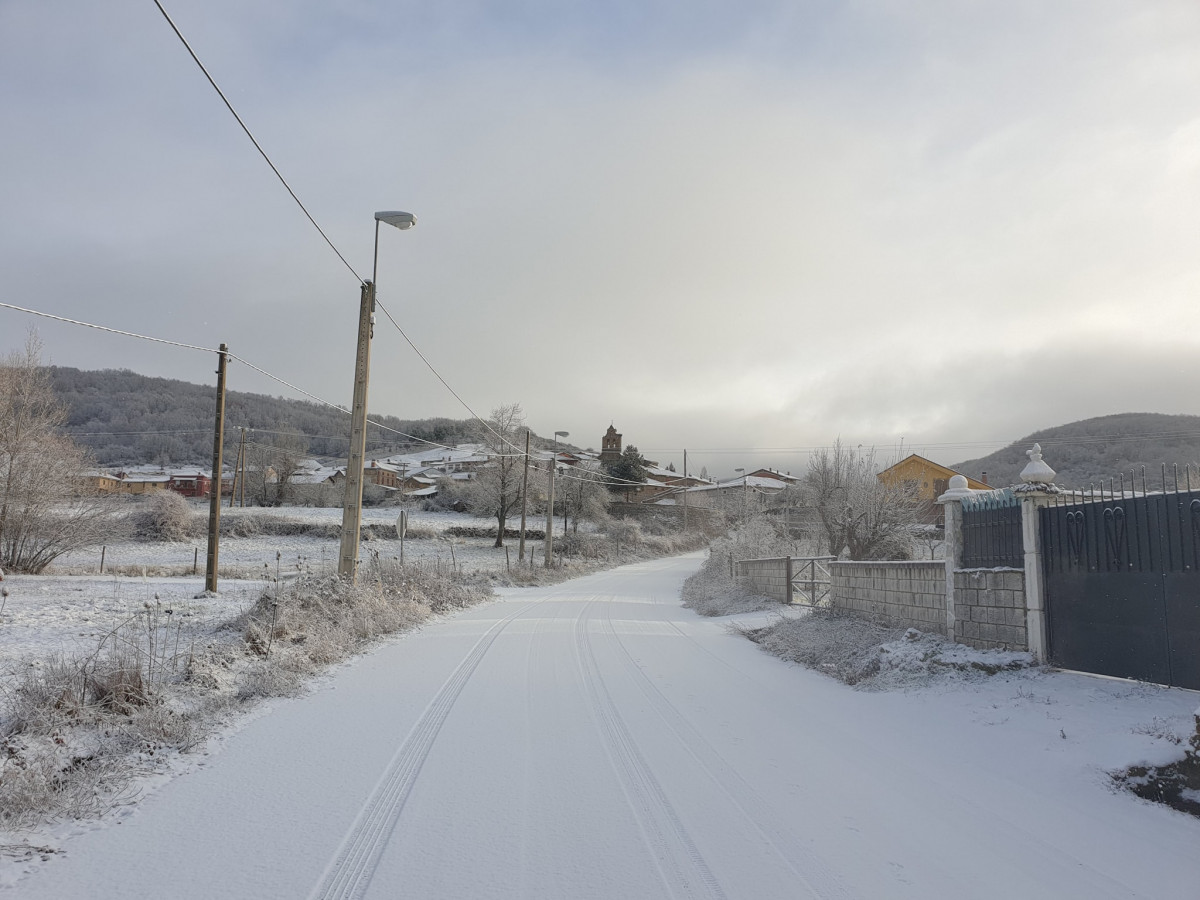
(254, 140)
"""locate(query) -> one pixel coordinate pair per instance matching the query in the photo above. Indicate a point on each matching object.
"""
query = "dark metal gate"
(991, 530)
(1122, 576)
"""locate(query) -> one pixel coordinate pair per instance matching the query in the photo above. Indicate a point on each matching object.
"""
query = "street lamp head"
(562, 434)
(401, 220)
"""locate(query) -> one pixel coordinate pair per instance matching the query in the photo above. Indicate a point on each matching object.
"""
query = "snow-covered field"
(71, 612)
(595, 740)
(249, 555)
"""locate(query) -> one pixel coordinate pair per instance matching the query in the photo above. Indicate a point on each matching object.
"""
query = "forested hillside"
(124, 419)
(1092, 450)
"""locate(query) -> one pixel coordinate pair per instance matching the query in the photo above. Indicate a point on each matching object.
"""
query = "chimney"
(983, 478)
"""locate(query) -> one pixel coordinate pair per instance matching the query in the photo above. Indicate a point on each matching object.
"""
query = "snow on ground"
(250, 554)
(70, 613)
(594, 740)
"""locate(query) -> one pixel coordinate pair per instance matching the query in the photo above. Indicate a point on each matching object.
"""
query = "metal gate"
(1122, 576)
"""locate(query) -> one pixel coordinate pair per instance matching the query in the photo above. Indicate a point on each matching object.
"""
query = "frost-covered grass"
(77, 727)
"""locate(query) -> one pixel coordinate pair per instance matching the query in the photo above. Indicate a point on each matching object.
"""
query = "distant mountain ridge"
(127, 419)
(1092, 451)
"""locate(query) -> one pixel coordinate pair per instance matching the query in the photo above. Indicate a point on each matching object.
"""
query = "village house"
(928, 480)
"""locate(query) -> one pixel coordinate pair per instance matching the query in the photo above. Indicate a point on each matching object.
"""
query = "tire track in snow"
(349, 874)
(681, 866)
(812, 872)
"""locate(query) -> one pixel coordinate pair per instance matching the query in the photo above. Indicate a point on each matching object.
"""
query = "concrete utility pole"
(524, 497)
(214, 491)
(352, 503)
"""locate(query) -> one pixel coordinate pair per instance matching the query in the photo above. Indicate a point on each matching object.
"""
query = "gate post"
(1035, 491)
(951, 503)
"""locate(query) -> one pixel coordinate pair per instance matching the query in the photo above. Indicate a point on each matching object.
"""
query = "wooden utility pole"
(239, 472)
(685, 490)
(524, 497)
(352, 502)
(242, 480)
(550, 506)
(214, 494)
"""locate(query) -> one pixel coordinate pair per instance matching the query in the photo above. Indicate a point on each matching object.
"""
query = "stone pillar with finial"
(1037, 489)
(951, 503)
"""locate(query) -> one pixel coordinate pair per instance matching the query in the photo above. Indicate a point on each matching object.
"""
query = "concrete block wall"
(767, 577)
(894, 593)
(989, 609)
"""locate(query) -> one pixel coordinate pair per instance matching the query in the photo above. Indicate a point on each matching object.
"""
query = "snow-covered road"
(595, 740)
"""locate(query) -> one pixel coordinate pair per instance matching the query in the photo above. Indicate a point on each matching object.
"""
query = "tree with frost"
(858, 512)
(584, 492)
(271, 467)
(495, 489)
(48, 506)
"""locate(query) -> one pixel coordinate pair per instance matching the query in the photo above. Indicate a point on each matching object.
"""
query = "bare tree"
(857, 511)
(271, 467)
(496, 488)
(584, 492)
(47, 505)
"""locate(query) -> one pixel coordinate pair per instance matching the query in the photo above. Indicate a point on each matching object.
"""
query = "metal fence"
(991, 531)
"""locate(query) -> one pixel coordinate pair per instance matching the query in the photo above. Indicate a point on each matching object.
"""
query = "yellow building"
(929, 479)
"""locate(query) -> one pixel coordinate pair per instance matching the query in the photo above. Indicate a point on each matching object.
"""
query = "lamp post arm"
(375, 262)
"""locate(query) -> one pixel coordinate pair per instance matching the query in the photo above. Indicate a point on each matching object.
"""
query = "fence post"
(788, 574)
(1036, 491)
(951, 503)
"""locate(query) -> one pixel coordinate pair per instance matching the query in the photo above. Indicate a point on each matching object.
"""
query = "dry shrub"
(320, 619)
(165, 516)
(115, 683)
(40, 778)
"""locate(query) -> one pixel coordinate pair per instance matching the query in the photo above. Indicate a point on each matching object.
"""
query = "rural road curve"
(596, 740)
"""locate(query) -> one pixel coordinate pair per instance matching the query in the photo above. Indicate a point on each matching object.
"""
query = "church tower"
(610, 446)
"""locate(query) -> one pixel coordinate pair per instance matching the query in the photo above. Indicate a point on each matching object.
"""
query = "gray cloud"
(756, 226)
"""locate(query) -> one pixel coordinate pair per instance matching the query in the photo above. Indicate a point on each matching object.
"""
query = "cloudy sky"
(745, 228)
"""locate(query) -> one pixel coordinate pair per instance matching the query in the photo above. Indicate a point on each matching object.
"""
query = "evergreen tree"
(628, 471)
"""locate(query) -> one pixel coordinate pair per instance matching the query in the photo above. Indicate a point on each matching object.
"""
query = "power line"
(304, 209)
(254, 140)
(445, 383)
(230, 355)
(133, 334)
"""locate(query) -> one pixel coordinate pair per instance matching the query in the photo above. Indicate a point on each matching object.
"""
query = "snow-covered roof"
(748, 483)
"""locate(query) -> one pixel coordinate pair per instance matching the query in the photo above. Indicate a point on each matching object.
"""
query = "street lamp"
(743, 471)
(550, 503)
(352, 502)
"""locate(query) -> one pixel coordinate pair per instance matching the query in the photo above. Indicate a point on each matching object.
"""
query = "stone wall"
(894, 593)
(989, 604)
(989, 608)
(767, 577)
